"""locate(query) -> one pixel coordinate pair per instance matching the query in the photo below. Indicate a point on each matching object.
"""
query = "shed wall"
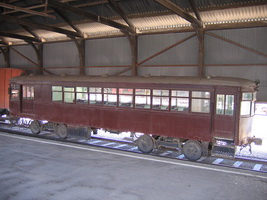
(223, 57)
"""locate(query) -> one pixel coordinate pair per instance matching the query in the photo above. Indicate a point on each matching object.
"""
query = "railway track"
(127, 145)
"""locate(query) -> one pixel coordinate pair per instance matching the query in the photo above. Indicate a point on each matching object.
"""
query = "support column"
(6, 54)
(134, 49)
(81, 49)
(201, 51)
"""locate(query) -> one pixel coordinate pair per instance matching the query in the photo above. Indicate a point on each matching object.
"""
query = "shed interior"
(136, 38)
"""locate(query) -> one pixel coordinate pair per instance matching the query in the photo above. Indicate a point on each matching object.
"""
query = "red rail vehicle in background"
(197, 115)
(5, 75)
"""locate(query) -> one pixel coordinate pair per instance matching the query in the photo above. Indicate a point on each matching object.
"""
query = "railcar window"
(126, 97)
(110, 96)
(200, 102)
(179, 100)
(142, 98)
(248, 103)
(225, 104)
(81, 95)
(160, 99)
(14, 92)
(95, 95)
(69, 95)
(28, 92)
(57, 94)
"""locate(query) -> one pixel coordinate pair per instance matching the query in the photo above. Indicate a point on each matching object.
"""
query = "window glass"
(81, 95)
(179, 100)
(95, 95)
(125, 91)
(69, 95)
(126, 97)
(160, 99)
(28, 92)
(110, 96)
(247, 96)
(56, 88)
(142, 98)
(81, 89)
(245, 107)
(14, 92)
(142, 91)
(229, 105)
(200, 102)
(198, 94)
(200, 105)
(220, 104)
(178, 93)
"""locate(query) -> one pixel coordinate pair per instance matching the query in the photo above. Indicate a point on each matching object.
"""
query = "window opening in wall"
(81, 95)
(125, 97)
(110, 96)
(95, 95)
(179, 100)
(69, 95)
(57, 94)
(248, 104)
(14, 94)
(142, 98)
(225, 104)
(160, 99)
(200, 102)
(27, 92)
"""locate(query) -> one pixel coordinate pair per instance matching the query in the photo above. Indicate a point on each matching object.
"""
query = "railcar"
(5, 75)
(197, 115)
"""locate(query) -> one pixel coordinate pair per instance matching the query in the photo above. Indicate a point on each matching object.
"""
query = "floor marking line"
(135, 156)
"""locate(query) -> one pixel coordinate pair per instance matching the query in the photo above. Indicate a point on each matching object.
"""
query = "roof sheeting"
(147, 16)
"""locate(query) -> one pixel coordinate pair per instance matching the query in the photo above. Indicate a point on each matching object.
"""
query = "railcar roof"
(227, 81)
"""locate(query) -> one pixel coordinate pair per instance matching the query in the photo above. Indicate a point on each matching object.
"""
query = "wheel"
(145, 143)
(62, 131)
(35, 127)
(192, 150)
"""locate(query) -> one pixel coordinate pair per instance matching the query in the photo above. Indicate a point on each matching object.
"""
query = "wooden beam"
(201, 52)
(95, 18)
(120, 11)
(36, 25)
(166, 49)
(36, 64)
(17, 36)
(194, 8)
(27, 10)
(237, 44)
(179, 11)
(68, 21)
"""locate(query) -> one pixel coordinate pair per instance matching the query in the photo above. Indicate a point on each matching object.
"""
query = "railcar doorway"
(224, 120)
(27, 105)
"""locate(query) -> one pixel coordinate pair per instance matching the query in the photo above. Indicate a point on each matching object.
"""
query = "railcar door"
(224, 119)
(27, 99)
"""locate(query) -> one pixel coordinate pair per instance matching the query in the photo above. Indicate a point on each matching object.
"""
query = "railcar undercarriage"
(192, 150)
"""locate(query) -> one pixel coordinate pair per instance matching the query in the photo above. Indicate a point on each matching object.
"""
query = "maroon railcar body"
(216, 120)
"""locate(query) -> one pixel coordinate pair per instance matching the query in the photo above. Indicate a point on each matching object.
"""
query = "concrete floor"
(36, 169)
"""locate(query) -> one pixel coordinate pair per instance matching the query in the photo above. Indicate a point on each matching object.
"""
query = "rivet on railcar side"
(198, 116)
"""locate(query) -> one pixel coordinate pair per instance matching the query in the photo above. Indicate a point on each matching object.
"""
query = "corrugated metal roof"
(146, 15)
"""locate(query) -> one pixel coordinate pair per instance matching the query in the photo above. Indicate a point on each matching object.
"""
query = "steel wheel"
(192, 150)
(145, 143)
(35, 127)
(62, 131)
